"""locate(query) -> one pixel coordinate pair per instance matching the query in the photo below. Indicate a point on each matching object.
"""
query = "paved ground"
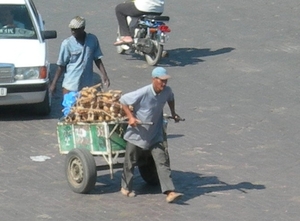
(235, 68)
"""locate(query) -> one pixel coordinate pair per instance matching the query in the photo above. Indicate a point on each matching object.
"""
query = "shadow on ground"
(191, 184)
(185, 56)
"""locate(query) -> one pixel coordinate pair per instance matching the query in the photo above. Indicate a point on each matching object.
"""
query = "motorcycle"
(149, 33)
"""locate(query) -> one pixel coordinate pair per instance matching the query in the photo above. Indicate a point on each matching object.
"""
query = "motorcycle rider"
(135, 8)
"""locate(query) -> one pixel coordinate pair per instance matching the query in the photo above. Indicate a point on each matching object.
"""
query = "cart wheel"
(148, 171)
(80, 168)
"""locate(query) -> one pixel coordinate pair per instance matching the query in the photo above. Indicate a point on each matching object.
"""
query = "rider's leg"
(122, 11)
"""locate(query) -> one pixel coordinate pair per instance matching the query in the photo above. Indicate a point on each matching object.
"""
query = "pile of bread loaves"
(93, 105)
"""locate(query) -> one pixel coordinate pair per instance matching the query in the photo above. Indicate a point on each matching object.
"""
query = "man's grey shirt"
(147, 107)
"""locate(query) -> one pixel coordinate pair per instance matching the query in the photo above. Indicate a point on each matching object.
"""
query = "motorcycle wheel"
(153, 58)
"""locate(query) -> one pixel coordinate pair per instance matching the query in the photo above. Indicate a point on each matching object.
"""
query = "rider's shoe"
(124, 40)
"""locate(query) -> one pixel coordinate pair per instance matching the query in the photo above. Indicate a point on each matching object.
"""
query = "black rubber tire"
(153, 58)
(80, 169)
(148, 171)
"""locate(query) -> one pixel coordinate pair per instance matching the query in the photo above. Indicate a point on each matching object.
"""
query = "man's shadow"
(194, 185)
(186, 56)
(191, 184)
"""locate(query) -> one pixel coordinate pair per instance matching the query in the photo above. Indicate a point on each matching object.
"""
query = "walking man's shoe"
(128, 193)
(173, 196)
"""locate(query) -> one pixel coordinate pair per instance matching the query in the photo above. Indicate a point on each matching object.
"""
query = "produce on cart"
(93, 105)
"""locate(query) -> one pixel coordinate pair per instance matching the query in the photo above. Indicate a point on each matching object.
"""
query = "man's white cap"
(77, 22)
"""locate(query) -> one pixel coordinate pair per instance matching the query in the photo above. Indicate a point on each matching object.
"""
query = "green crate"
(99, 138)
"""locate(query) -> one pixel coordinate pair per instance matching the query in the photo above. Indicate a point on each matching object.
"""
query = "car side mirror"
(49, 34)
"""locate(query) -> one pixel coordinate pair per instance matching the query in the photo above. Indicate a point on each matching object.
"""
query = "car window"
(15, 22)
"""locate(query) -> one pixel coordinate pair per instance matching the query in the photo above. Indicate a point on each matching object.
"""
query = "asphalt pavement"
(235, 75)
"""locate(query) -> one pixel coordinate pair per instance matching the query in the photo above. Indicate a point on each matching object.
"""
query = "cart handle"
(140, 123)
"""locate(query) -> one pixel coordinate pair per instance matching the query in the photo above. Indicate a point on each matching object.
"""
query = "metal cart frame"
(81, 142)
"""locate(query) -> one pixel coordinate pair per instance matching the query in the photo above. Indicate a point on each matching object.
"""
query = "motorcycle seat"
(155, 18)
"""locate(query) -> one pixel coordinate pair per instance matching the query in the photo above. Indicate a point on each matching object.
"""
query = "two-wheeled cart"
(81, 142)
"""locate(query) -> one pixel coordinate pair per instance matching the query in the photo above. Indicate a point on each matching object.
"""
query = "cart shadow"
(191, 184)
(107, 185)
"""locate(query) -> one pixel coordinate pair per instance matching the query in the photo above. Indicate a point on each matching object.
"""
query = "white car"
(24, 68)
